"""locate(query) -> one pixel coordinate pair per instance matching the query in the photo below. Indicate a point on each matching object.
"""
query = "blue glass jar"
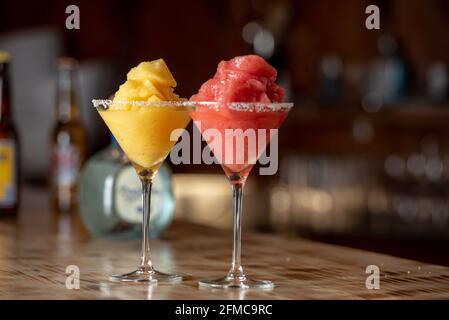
(110, 201)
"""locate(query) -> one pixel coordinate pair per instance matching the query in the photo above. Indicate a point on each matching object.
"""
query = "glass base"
(146, 275)
(237, 283)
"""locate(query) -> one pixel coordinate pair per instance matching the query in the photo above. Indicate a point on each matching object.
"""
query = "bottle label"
(66, 163)
(8, 187)
(128, 196)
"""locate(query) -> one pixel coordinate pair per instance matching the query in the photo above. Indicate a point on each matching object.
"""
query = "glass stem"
(145, 261)
(236, 266)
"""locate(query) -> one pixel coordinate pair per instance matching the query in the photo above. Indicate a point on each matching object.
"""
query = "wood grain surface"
(36, 248)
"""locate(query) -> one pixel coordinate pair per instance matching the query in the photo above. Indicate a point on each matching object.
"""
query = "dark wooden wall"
(194, 35)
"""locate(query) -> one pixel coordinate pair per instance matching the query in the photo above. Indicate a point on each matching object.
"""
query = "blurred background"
(364, 155)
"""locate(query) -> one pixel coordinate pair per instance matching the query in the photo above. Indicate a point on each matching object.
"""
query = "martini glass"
(238, 134)
(146, 131)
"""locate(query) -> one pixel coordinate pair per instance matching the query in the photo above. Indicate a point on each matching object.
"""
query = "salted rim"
(238, 106)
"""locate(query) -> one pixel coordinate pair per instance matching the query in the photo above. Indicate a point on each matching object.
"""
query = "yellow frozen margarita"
(143, 129)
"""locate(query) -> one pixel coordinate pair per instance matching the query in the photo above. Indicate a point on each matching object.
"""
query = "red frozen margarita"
(237, 111)
(241, 92)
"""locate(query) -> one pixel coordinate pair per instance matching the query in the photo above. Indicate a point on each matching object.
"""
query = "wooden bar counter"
(36, 248)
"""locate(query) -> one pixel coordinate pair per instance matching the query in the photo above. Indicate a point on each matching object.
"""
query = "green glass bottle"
(110, 201)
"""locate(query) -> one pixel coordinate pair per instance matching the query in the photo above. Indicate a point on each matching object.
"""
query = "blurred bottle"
(9, 146)
(330, 89)
(111, 197)
(438, 83)
(267, 33)
(390, 78)
(68, 149)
